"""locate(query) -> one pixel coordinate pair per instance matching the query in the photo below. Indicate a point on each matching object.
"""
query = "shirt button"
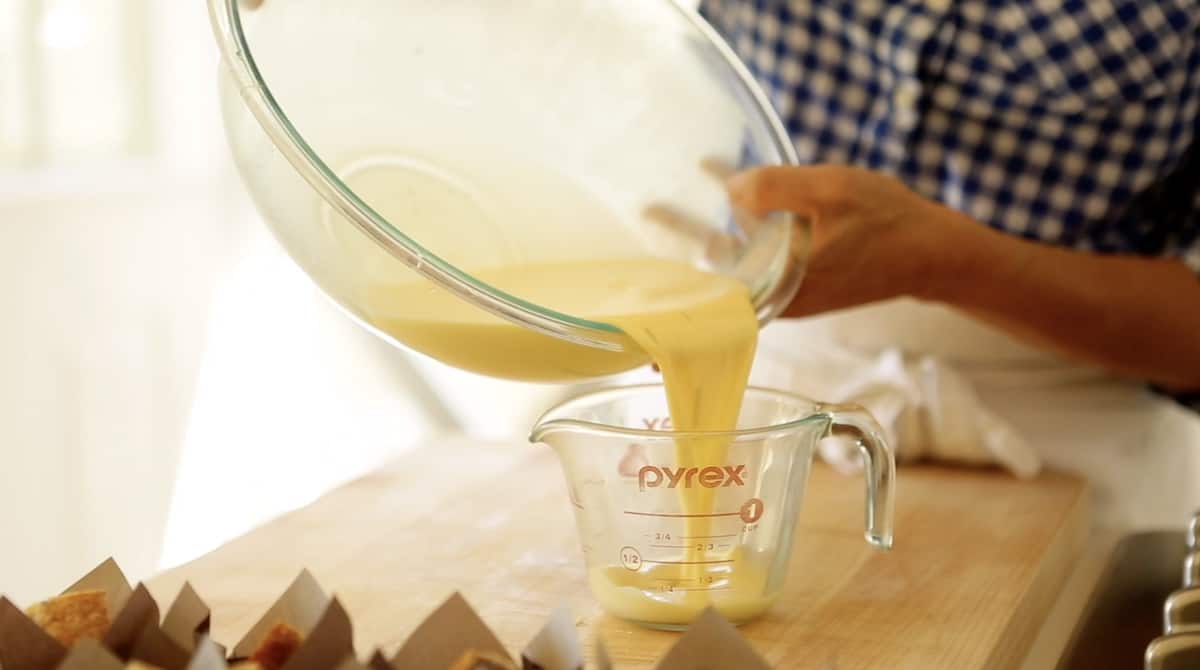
(905, 96)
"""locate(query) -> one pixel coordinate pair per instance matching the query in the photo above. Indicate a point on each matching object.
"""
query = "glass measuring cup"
(392, 144)
(661, 542)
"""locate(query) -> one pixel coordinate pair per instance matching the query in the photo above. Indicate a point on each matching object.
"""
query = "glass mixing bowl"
(387, 142)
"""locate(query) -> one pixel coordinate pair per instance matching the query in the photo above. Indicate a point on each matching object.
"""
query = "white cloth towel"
(947, 388)
(927, 409)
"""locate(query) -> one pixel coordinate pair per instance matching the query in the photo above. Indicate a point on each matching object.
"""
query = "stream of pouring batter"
(704, 348)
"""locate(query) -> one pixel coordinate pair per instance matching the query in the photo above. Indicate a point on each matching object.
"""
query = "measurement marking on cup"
(682, 516)
(646, 560)
(707, 537)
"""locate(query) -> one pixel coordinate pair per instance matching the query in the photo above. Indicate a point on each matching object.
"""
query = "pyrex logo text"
(710, 477)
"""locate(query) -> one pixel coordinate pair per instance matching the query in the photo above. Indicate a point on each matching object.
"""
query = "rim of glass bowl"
(238, 57)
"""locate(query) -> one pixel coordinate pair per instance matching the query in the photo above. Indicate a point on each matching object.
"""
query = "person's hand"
(871, 237)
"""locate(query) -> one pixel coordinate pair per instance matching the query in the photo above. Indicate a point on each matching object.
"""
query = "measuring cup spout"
(561, 427)
(551, 433)
(566, 436)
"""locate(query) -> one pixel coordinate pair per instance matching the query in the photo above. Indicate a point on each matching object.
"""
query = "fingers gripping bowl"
(405, 152)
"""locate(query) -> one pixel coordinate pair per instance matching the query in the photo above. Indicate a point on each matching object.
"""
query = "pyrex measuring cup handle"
(879, 467)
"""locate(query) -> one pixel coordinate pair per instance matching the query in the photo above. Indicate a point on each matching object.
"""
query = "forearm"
(1134, 315)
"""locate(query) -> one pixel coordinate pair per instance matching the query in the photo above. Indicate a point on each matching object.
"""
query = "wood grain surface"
(978, 561)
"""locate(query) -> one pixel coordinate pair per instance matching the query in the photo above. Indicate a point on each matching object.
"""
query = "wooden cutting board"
(979, 558)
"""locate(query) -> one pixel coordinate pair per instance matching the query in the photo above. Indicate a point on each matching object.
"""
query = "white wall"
(104, 299)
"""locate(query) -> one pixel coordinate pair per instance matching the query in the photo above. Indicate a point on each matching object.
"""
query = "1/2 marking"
(631, 558)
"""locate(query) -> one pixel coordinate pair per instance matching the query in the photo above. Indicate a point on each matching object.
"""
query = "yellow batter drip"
(701, 330)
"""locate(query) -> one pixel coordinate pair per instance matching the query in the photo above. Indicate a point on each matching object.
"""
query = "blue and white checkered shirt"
(1069, 122)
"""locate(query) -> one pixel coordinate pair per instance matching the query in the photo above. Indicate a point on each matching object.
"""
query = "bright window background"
(75, 81)
(159, 352)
